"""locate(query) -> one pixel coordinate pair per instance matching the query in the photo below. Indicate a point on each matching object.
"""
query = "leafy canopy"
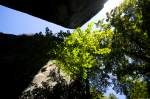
(130, 53)
(81, 49)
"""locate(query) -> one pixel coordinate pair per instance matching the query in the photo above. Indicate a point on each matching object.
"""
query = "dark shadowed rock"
(68, 13)
(21, 57)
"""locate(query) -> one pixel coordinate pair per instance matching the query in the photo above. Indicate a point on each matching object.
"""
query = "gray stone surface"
(48, 73)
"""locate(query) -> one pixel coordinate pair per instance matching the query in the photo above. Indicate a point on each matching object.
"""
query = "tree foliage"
(79, 54)
(131, 45)
(138, 90)
(81, 49)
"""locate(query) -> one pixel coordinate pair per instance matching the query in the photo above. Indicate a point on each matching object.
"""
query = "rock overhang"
(67, 13)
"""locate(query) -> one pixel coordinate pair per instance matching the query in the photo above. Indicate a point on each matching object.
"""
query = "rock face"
(52, 83)
(24, 60)
(21, 58)
(50, 73)
(68, 13)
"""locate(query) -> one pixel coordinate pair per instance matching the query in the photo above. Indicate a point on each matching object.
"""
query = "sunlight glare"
(111, 4)
(108, 6)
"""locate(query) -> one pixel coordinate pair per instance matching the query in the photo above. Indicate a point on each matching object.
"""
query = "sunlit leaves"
(103, 51)
(81, 49)
(139, 90)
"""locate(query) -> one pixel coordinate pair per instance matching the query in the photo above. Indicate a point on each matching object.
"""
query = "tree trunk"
(87, 86)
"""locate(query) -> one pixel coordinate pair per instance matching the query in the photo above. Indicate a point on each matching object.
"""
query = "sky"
(15, 22)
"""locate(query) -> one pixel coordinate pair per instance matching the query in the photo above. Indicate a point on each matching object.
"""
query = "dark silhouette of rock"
(68, 13)
(21, 57)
